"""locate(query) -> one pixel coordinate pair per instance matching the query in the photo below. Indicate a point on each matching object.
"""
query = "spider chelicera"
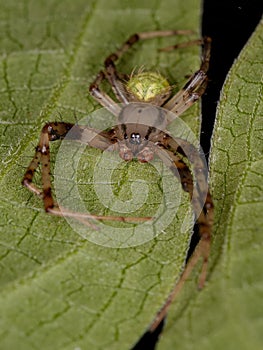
(141, 133)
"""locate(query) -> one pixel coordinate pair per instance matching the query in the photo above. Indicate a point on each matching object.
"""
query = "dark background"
(229, 23)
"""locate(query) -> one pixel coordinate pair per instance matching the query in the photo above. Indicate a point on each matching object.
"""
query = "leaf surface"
(227, 314)
(59, 290)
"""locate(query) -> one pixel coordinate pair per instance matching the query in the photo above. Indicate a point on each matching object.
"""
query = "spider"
(146, 109)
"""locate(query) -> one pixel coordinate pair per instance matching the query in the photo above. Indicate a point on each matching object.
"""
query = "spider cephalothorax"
(141, 133)
(138, 130)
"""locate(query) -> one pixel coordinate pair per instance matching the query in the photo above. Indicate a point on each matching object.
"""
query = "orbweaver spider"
(141, 133)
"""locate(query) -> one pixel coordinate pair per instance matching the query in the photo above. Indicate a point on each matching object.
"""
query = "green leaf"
(227, 314)
(59, 290)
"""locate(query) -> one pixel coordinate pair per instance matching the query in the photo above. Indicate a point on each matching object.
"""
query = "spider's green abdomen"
(148, 87)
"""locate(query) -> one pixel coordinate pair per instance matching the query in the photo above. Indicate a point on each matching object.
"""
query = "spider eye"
(135, 138)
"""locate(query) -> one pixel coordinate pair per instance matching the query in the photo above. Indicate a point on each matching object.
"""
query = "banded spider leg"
(57, 131)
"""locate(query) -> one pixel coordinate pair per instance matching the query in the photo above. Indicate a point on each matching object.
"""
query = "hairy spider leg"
(57, 131)
(110, 69)
(203, 208)
(195, 86)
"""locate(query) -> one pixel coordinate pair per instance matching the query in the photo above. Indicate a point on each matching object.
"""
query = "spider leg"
(103, 98)
(111, 73)
(203, 208)
(50, 132)
(182, 45)
(195, 86)
(199, 193)
(58, 131)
